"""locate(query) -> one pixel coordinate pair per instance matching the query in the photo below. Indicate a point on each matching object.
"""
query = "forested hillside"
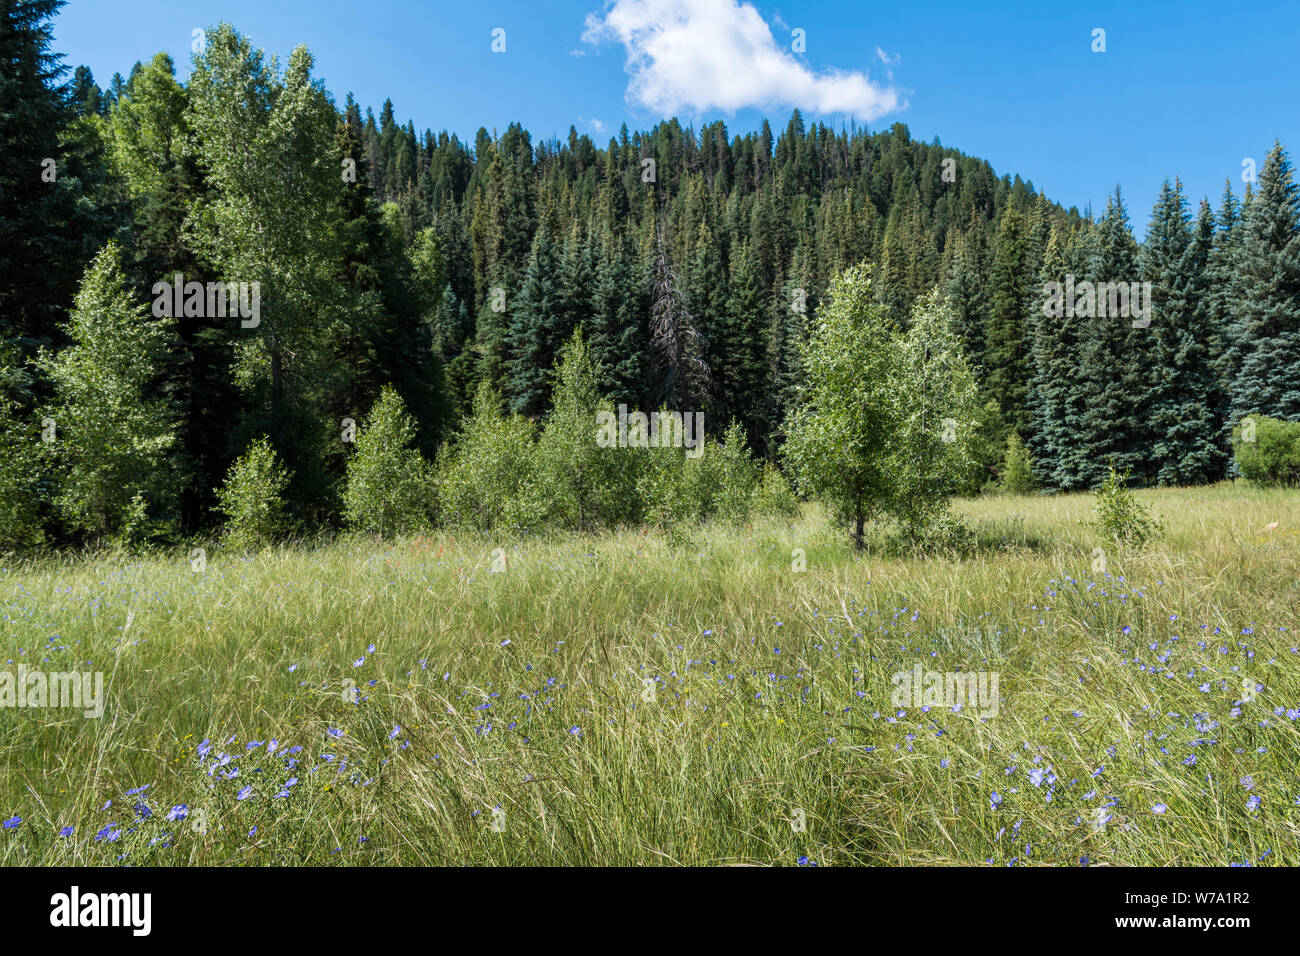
(692, 261)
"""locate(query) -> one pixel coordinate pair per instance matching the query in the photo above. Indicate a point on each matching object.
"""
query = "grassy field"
(404, 703)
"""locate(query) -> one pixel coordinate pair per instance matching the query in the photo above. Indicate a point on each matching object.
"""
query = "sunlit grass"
(771, 694)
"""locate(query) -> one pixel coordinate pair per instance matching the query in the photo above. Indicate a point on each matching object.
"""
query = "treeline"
(693, 262)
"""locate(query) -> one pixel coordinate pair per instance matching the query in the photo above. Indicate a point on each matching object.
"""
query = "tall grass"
(514, 682)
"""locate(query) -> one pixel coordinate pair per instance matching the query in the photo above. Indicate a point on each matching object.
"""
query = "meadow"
(681, 698)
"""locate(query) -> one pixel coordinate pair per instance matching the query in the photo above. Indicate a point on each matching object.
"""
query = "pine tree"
(618, 334)
(742, 376)
(1224, 294)
(1054, 359)
(1181, 402)
(1073, 470)
(1116, 359)
(1268, 323)
(1005, 359)
(966, 291)
(536, 323)
(54, 209)
(680, 377)
(707, 295)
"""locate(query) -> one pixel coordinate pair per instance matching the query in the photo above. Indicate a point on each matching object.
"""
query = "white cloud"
(695, 55)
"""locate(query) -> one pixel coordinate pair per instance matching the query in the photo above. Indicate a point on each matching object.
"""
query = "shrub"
(1119, 516)
(664, 488)
(487, 477)
(252, 499)
(733, 475)
(773, 496)
(389, 484)
(1017, 477)
(943, 532)
(20, 525)
(584, 484)
(1273, 458)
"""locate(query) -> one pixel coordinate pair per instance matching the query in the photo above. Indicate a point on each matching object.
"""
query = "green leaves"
(1120, 517)
(390, 486)
(112, 439)
(888, 417)
(252, 499)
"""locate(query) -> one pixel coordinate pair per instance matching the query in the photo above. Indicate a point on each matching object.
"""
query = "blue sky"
(1186, 89)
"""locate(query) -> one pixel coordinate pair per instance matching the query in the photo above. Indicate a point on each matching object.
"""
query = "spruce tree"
(536, 321)
(1116, 359)
(743, 347)
(54, 211)
(1054, 359)
(1267, 328)
(618, 333)
(1010, 289)
(1180, 404)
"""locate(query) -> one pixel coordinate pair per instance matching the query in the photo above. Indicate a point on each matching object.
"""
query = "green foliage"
(684, 291)
(585, 485)
(888, 418)
(1116, 360)
(1017, 474)
(487, 477)
(735, 475)
(57, 205)
(1273, 457)
(1119, 516)
(941, 533)
(146, 128)
(252, 499)
(838, 437)
(112, 439)
(985, 449)
(1183, 395)
(249, 126)
(1006, 349)
(390, 486)
(934, 414)
(536, 328)
(20, 524)
(1265, 331)
(773, 496)
(672, 488)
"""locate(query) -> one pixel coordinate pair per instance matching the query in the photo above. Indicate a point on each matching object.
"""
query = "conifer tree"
(1180, 405)
(1010, 289)
(618, 335)
(742, 376)
(1267, 329)
(536, 322)
(54, 211)
(1054, 358)
(1116, 358)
